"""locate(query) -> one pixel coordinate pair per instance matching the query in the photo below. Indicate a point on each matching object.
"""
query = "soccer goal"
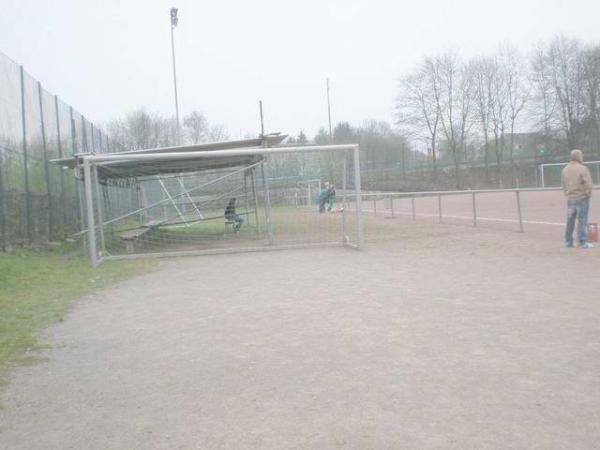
(549, 174)
(216, 199)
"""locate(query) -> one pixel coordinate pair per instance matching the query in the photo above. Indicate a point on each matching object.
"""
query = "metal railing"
(391, 196)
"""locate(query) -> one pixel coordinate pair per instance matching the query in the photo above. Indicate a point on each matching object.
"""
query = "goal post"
(219, 201)
(549, 174)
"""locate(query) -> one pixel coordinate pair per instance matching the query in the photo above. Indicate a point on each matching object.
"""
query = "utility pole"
(174, 21)
(262, 120)
(329, 113)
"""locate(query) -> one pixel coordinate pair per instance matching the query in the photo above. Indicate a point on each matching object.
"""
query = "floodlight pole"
(329, 113)
(174, 21)
(262, 120)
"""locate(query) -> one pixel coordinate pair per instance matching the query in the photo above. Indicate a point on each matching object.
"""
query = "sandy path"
(442, 337)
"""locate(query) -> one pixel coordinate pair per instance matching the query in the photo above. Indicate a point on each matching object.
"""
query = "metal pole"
(474, 211)
(254, 194)
(357, 193)
(100, 209)
(374, 206)
(184, 190)
(92, 140)
(87, 178)
(519, 210)
(440, 207)
(173, 25)
(46, 169)
(597, 174)
(329, 113)
(25, 162)
(412, 200)
(246, 197)
(262, 120)
(79, 191)
(62, 175)
(168, 194)
(84, 138)
(542, 175)
(344, 206)
(163, 197)
(392, 205)
(267, 202)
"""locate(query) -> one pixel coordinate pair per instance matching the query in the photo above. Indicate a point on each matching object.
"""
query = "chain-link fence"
(38, 201)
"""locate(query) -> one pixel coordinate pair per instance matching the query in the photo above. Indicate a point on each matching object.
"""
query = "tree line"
(141, 130)
(484, 108)
(491, 113)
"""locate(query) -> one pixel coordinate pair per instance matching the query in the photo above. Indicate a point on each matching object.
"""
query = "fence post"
(92, 137)
(519, 210)
(265, 177)
(84, 140)
(25, 162)
(375, 205)
(474, 211)
(412, 201)
(344, 187)
(91, 229)
(440, 207)
(78, 180)
(62, 175)
(100, 209)
(254, 195)
(357, 191)
(46, 169)
(392, 205)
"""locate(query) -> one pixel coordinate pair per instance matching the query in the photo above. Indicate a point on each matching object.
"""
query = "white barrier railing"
(377, 196)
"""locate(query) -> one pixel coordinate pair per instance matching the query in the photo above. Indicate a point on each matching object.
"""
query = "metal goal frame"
(87, 167)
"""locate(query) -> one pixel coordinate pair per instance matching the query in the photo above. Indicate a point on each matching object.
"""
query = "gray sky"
(107, 57)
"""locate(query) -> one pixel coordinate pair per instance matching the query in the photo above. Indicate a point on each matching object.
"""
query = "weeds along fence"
(38, 200)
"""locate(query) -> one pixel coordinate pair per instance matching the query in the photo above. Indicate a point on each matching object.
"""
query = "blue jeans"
(577, 209)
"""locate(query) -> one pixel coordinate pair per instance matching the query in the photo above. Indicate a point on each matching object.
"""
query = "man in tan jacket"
(577, 184)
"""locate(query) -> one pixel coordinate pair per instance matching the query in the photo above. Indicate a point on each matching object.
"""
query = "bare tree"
(196, 127)
(454, 103)
(483, 71)
(591, 88)
(217, 133)
(545, 103)
(417, 106)
(513, 72)
(565, 62)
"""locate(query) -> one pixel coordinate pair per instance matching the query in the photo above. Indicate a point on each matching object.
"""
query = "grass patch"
(37, 288)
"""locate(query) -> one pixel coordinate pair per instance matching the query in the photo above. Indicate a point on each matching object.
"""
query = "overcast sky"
(108, 57)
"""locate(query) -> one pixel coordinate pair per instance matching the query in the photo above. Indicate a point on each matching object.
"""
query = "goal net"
(550, 174)
(205, 202)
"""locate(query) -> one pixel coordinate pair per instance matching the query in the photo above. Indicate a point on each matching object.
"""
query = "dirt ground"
(433, 336)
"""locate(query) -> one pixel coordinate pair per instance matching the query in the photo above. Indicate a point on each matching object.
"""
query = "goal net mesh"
(280, 199)
(551, 173)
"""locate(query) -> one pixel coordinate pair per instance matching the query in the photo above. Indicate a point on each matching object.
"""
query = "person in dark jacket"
(323, 198)
(331, 198)
(232, 216)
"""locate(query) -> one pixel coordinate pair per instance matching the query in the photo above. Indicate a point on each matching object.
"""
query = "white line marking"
(485, 219)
